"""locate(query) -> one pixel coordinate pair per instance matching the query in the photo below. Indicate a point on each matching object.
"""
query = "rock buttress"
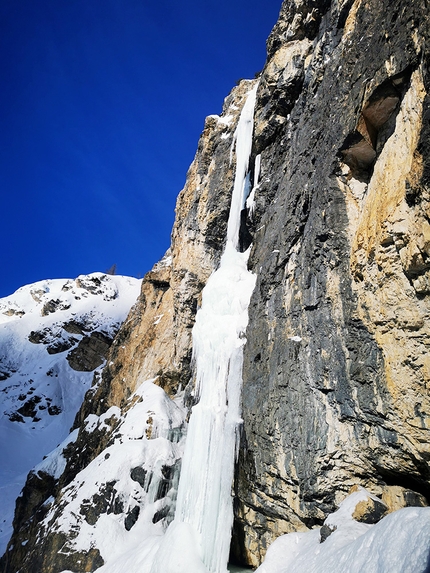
(155, 340)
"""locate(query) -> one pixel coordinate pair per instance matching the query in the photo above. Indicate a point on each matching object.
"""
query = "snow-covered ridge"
(48, 296)
(54, 335)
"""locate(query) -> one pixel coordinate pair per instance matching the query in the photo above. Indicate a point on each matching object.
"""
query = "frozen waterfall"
(204, 510)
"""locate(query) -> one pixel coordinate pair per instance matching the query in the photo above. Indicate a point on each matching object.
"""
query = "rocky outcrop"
(90, 353)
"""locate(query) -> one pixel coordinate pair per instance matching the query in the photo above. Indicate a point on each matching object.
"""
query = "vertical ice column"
(243, 137)
(204, 496)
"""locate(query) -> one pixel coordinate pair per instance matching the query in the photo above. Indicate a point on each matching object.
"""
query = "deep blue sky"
(101, 106)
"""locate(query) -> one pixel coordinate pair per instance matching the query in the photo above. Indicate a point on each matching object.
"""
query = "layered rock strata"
(336, 379)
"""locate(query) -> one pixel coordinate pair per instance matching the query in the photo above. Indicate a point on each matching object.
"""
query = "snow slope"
(40, 393)
(122, 502)
(399, 543)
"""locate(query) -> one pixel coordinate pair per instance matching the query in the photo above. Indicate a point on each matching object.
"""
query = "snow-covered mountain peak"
(54, 335)
(51, 296)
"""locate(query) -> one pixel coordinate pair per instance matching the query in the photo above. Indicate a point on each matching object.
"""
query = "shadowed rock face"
(90, 352)
(336, 371)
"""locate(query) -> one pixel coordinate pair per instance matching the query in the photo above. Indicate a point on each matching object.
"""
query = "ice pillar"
(204, 497)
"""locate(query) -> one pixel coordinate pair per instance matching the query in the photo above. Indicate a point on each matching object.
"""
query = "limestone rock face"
(155, 340)
(336, 380)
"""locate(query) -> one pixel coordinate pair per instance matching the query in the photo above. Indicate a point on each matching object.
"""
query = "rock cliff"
(336, 377)
(336, 371)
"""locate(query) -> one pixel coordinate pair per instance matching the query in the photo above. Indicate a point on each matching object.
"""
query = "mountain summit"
(54, 339)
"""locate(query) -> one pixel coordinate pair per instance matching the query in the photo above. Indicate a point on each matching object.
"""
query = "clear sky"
(101, 106)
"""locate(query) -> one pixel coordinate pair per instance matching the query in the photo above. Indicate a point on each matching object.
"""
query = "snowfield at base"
(399, 543)
(42, 379)
(149, 436)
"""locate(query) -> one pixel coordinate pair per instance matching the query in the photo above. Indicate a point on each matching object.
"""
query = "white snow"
(399, 543)
(226, 120)
(54, 463)
(32, 374)
(141, 441)
(179, 551)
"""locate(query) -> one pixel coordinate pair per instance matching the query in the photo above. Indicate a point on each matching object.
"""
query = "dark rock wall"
(322, 406)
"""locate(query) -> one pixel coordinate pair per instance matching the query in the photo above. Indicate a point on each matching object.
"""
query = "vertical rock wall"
(336, 374)
(155, 341)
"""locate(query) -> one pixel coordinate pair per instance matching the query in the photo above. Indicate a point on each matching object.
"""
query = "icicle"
(243, 137)
(204, 496)
(250, 203)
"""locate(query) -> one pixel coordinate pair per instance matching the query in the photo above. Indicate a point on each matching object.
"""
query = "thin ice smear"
(204, 496)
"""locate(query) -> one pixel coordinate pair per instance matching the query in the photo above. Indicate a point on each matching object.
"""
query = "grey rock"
(139, 474)
(90, 352)
(325, 531)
